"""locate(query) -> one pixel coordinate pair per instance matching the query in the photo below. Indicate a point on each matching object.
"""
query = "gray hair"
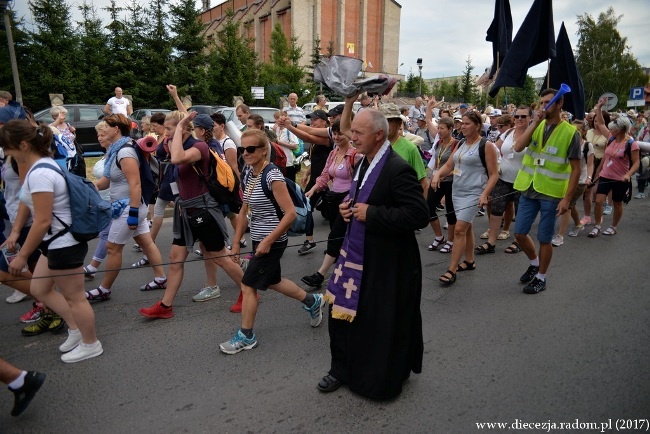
(621, 123)
(54, 111)
(378, 121)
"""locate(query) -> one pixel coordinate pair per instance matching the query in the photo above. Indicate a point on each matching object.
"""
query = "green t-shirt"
(408, 151)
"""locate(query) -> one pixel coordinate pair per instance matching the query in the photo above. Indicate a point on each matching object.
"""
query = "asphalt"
(578, 351)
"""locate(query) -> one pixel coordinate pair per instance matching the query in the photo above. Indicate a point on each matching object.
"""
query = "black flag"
(500, 33)
(564, 69)
(533, 44)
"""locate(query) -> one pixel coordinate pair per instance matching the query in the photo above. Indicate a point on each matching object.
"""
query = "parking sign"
(636, 93)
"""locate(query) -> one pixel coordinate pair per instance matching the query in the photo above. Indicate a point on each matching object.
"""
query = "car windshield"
(266, 113)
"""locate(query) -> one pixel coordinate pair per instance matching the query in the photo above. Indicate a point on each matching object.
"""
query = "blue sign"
(636, 93)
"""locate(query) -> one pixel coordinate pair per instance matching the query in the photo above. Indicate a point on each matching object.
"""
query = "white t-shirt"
(119, 186)
(511, 161)
(98, 172)
(42, 180)
(583, 162)
(228, 143)
(119, 105)
(285, 136)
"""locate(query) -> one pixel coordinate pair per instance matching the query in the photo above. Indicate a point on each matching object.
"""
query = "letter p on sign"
(636, 93)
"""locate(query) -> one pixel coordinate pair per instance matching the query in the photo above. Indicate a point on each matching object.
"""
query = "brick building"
(366, 29)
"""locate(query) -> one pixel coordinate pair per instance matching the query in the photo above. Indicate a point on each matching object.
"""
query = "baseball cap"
(338, 110)
(458, 118)
(318, 114)
(390, 110)
(495, 112)
(204, 121)
(463, 105)
(422, 118)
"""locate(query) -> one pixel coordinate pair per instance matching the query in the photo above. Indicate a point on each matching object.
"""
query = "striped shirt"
(264, 218)
(296, 114)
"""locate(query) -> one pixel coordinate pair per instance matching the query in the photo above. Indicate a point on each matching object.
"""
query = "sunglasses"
(251, 149)
(500, 126)
(520, 116)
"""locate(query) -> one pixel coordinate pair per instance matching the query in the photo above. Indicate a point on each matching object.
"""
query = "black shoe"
(306, 247)
(49, 322)
(315, 280)
(23, 396)
(329, 384)
(529, 274)
(536, 286)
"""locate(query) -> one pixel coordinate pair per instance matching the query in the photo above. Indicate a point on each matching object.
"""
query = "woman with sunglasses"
(268, 232)
(197, 216)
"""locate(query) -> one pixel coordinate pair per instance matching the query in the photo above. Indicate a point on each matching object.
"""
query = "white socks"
(18, 382)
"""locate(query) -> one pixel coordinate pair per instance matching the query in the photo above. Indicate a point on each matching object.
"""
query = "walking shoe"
(34, 314)
(529, 274)
(307, 247)
(238, 343)
(639, 196)
(607, 210)
(198, 252)
(208, 293)
(137, 247)
(557, 240)
(88, 275)
(157, 311)
(535, 286)
(481, 212)
(16, 297)
(446, 226)
(24, 395)
(586, 220)
(242, 243)
(49, 322)
(83, 352)
(154, 284)
(141, 263)
(315, 280)
(576, 230)
(74, 339)
(316, 310)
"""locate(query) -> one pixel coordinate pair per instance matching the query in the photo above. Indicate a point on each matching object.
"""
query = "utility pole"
(12, 52)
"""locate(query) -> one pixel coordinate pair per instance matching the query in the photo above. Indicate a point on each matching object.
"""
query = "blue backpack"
(90, 213)
(300, 202)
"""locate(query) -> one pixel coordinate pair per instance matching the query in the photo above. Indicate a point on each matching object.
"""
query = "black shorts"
(66, 258)
(208, 233)
(264, 271)
(33, 258)
(618, 188)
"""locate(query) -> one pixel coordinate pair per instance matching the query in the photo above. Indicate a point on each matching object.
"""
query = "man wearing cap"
(423, 131)
(335, 113)
(492, 132)
(462, 109)
(296, 113)
(417, 110)
(118, 104)
(456, 133)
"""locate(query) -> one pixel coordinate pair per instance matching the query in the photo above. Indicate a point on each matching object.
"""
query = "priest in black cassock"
(375, 325)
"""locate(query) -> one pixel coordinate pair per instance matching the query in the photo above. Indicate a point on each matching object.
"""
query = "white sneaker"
(576, 230)
(83, 352)
(74, 338)
(446, 226)
(639, 196)
(607, 210)
(558, 240)
(208, 293)
(16, 297)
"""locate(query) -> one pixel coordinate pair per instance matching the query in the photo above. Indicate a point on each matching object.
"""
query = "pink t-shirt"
(616, 163)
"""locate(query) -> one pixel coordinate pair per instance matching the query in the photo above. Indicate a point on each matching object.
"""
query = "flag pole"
(548, 73)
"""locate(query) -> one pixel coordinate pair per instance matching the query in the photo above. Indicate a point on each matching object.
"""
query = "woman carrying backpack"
(197, 216)
(45, 193)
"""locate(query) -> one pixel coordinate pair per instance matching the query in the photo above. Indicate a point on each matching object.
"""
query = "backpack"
(628, 153)
(300, 202)
(148, 184)
(278, 157)
(90, 213)
(221, 181)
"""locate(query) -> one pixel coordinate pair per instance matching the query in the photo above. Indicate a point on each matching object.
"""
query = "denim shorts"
(527, 213)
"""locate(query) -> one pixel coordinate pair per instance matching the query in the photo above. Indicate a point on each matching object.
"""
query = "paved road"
(577, 351)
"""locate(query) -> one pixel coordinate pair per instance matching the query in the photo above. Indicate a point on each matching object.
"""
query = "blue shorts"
(527, 213)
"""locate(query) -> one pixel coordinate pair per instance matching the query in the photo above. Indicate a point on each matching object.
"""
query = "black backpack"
(148, 184)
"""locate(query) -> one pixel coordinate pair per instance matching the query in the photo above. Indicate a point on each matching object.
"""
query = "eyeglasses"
(500, 126)
(251, 149)
(520, 116)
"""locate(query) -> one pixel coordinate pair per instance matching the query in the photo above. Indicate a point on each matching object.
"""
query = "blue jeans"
(527, 213)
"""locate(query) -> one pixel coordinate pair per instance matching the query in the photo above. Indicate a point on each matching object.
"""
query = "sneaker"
(576, 230)
(529, 274)
(16, 297)
(608, 210)
(23, 396)
(88, 275)
(238, 343)
(83, 352)
(137, 247)
(535, 286)
(480, 213)
(557, 240)
(242, 243)
(316, 310)
(306, 247)
(315, 280)
(198, 252)
(639, 196)
(49, 322)
(74, 339)
(157, 311)
(446, 226)
(586, 220)
(208, 293)
(34, 314)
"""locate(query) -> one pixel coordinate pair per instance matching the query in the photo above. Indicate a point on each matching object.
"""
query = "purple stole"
(345, 283)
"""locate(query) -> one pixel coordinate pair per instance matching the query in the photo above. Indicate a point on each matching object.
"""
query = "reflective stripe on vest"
(551, 179)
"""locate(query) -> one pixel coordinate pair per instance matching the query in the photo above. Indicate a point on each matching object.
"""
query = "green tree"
(522, 95)
(122, 48)
(21, 43)
(604, 58)
(468, 91)
(93, 54)
(233, 64)
(156, 52)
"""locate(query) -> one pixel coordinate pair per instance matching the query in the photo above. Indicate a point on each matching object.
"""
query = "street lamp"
(419, 62)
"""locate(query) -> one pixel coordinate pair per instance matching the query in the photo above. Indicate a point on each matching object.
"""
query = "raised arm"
(174, 94)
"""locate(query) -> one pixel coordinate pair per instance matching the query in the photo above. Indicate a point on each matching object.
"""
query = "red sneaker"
(35, 313)
(157, 311)
(236, 308)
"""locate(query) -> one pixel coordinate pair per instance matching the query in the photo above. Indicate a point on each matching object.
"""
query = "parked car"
(83, 117)
(205, 109)
(137, 116)
(309, 107)
(265, 112)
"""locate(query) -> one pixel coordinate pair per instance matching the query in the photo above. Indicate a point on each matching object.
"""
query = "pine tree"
(93, 54)
(468, 91)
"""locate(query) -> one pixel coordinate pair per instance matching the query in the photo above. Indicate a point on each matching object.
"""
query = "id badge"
(457, 172)
(539, 161)
(551, 150)
(511, 155)
(174, 187)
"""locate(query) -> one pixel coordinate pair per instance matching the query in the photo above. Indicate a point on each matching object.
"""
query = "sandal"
(609, 231)
(446, 248)
(594, 232)
(100, 296)
(513, 248)
(485, 235)
(141, 263)
(448, 278)
(484, 248)
(469, 266)
(154, 285)
(436, 242)
(504, 235)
